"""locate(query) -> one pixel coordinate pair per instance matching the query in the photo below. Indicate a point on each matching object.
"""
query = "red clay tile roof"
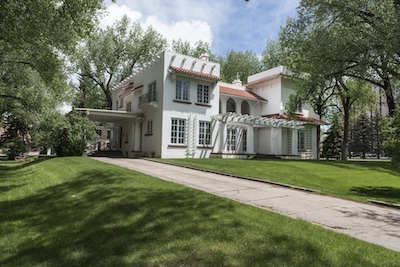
(240, 93)
(269, 78)
(195, 73)
(296, 118)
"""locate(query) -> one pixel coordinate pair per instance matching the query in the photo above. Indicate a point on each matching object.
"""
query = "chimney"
(205, 57)
(237, 81)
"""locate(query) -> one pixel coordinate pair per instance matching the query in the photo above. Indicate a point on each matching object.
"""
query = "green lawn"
(81, 212)
(356, 180)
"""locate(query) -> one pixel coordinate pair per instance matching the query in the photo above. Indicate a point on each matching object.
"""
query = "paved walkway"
(370, 223)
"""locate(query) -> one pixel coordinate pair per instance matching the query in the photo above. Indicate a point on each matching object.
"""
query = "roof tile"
(195, 73)
(240, 93)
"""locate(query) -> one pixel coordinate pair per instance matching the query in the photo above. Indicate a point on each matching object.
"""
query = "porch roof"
(113, 116)
(258, 121)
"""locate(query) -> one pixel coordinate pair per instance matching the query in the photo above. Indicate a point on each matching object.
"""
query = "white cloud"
(115, 12)
(191, 31)
(187, 30)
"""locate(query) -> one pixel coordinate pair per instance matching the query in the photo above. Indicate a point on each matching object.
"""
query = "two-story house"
(176, 107)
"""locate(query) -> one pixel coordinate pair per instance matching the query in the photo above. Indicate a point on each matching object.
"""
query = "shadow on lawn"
(378, 192)
(102, 219)
(13, 165)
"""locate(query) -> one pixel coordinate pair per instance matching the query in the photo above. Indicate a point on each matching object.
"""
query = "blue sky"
(225, 24)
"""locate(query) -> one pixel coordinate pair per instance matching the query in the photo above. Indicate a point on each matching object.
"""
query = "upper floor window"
(299, 107)
(152, 91)
(204, 133)
(129, 106)
(108, 134)
(178, 131)
(231, 105)
(203, 94)
(182, 90)
(121, 102)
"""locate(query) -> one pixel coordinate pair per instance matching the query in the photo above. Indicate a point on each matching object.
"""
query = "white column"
(274, 141)
(295, 150)
(222, 136)
(137, 136)
(250, 139)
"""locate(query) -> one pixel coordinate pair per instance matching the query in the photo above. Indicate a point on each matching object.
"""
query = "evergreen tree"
(331, 146)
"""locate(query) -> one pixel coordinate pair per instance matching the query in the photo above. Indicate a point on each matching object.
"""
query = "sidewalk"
(370, 223)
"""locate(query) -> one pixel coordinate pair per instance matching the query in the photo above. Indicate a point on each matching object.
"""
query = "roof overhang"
(113, 116)
(258, 121)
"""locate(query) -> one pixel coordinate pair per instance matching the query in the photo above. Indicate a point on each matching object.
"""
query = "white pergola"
(258, 121)
(250, 122)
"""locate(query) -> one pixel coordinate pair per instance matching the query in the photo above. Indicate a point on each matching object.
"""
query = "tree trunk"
(346, 124)
(389, 96)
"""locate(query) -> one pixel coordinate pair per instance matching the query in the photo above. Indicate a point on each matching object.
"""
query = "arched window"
(245, 108)
(220, 107)
(231, 105)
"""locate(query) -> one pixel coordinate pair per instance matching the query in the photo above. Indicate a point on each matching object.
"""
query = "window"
(231, 139)
(299, 107)
(244, 140)
(149, 127)
(203, 94)
(204, 133)
(108, 134)
(301, 140)
(129, 106)
(152, 91)
(182, 90)
(98, 132)
(178, 131)
(121, 102)
(231, 105)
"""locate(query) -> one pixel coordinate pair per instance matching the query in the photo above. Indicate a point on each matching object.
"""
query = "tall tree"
(200, 48)
(110, 55)
(37, 33)
(242, 64)
(360, 36)
(273, 55)
(320, 46)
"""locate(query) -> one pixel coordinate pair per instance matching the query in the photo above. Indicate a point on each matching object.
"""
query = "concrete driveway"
(377, 225)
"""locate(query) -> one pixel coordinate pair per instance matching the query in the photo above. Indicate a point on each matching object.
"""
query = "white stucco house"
(177, 107)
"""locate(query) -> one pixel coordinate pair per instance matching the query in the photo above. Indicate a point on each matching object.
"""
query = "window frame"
(231, 139)
(203, 93)
(152, 91)
(149, 127)
(204, 133)
(301, 140)
(178, 131)
(182, 90)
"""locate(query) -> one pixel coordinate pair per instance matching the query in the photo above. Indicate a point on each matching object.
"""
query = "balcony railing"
(147, 98)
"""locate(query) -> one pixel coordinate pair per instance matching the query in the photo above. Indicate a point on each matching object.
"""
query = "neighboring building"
(176, 107)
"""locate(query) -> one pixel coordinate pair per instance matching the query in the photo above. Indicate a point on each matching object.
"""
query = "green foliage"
(70, 137)
(243, 64)
(273, 55)
(391, 132)
(346, 39)
(109, 56)
(361, 141)
(331, 145)
(200, 48)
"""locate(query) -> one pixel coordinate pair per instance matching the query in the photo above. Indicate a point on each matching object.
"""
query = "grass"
(81, 212)
(355, 180)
